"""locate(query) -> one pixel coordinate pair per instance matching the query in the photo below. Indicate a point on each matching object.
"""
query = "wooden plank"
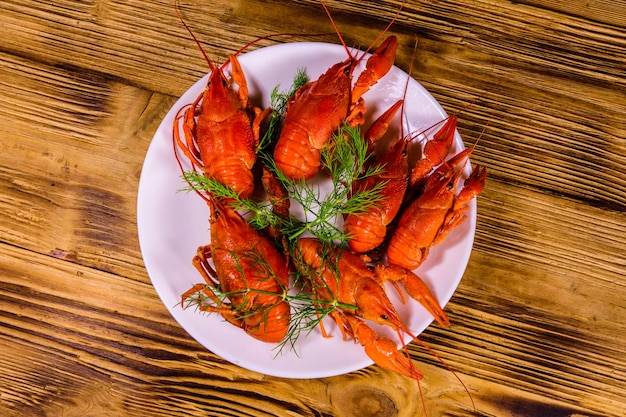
(526, 102)
(111, 353)
(73, 163)
(123, 344)
(538, 321)
(569, 262)
(107, 33)
(144, 45)
(610, 12)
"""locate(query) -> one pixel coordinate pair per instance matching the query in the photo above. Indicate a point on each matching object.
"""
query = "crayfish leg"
(216, 305)
(196, 289)
(200, 262)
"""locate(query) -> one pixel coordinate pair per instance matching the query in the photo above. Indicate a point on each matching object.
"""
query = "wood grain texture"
(539, 320)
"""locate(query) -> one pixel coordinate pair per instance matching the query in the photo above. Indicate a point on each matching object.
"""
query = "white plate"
(172, 224)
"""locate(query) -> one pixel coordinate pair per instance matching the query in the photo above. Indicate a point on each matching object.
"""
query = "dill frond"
(278, 104)
(258, 213)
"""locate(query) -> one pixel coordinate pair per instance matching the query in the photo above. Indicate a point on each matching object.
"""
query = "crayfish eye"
(384, 317)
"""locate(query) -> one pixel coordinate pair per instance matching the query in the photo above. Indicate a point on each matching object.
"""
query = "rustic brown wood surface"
(539, 320)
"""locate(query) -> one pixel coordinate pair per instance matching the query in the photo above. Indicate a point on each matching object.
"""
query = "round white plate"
(172, 224)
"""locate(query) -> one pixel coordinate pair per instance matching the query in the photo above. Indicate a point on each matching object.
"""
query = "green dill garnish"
(258, 213)
(345, 161)
(278, 104)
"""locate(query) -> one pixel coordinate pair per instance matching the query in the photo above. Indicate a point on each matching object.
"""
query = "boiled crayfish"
(366, 231)
(221, 132)
(431, 216)
(321, 106)
(340, 275)
(221, 128)
(247, 280)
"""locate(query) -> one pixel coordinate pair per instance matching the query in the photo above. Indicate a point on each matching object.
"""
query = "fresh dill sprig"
(262, 215)
(278, 104)
(320, 295)
(346, 161)
(278, 100)
(259, 213)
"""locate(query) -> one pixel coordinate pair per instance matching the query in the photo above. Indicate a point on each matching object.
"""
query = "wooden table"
(538, 322)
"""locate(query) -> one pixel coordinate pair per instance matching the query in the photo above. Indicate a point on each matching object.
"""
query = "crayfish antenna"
(193, 36)
(406, 89)
(380, 35)
(432, 352)
(177, 143)
(445, 365)
(412, 370)
(332, 21)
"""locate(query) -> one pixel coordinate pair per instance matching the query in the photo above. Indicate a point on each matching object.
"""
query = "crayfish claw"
(383, 351)
(415, 288)
(419, 291)
(377, 66)
(473, 186)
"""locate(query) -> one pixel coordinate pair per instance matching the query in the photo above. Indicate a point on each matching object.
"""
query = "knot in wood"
(363, 401)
